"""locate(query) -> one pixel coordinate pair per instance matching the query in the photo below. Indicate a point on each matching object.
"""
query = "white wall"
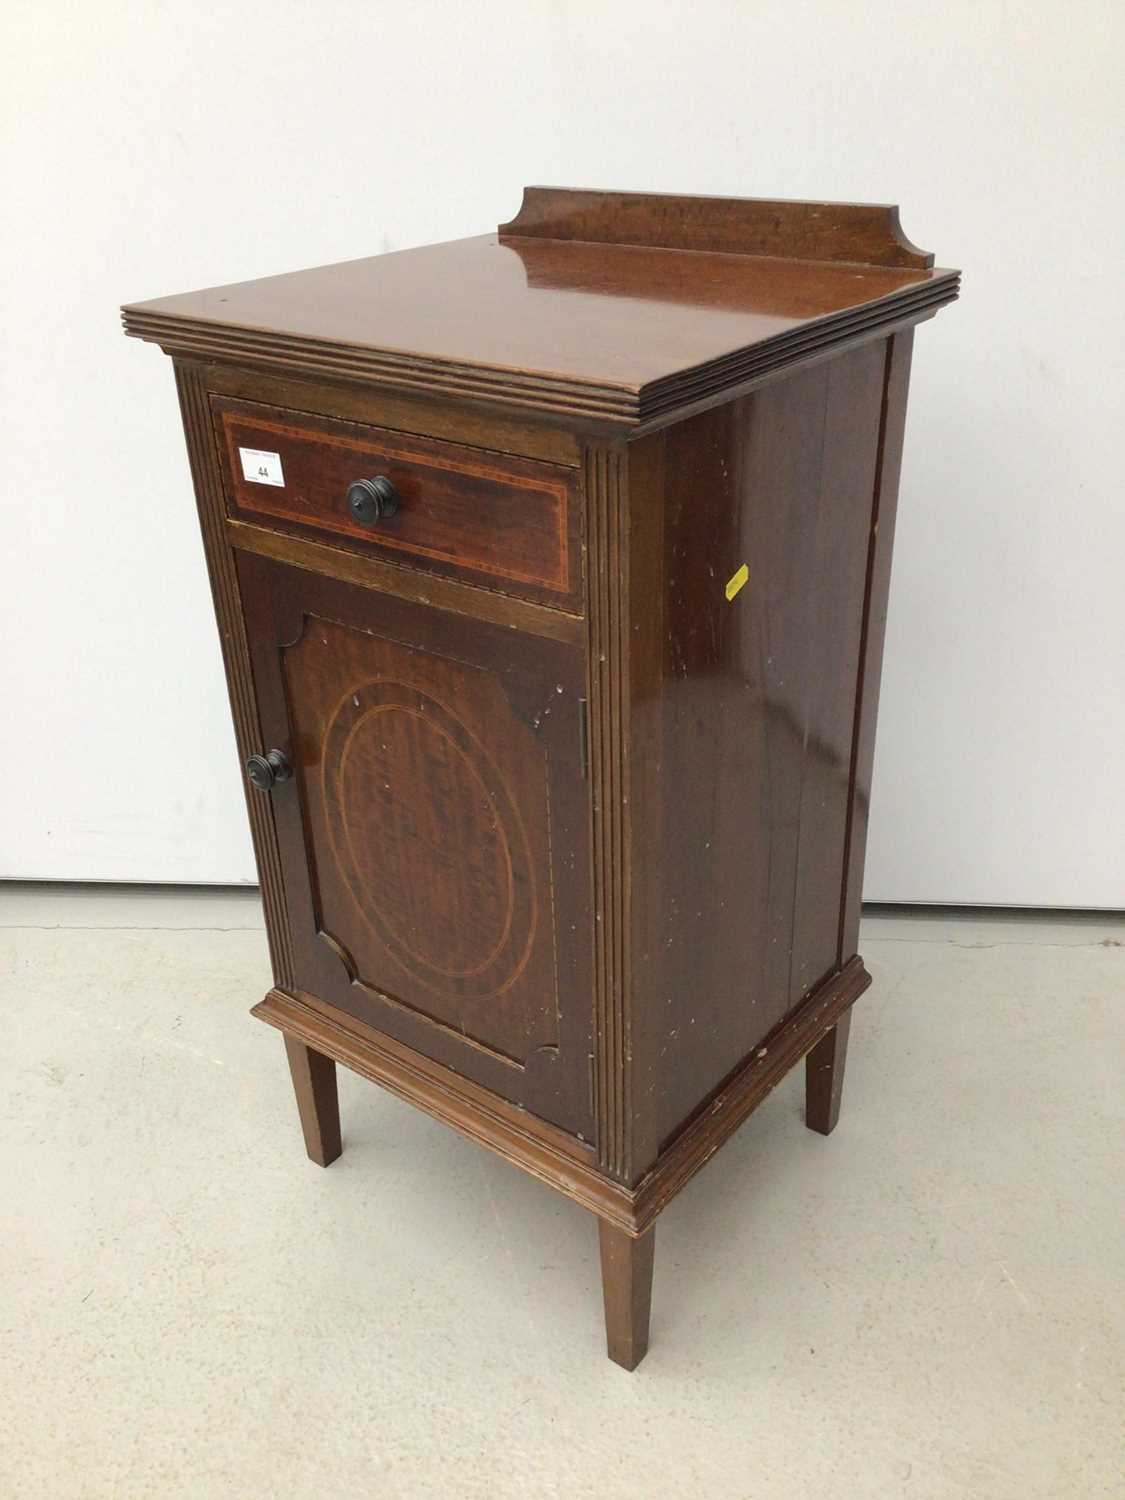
(154, 147)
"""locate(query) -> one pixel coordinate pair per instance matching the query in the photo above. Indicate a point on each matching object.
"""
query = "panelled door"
(433, 828)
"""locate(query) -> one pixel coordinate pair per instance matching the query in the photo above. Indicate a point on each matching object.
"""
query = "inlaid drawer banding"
(492, 519)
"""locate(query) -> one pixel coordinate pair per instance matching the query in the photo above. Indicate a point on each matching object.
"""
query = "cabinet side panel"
(900, 349)
(758, 709)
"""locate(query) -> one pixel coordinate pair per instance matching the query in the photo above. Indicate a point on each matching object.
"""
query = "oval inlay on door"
(428, 839)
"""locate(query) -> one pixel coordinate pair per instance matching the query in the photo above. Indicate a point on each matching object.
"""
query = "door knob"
(372, 500)
(266, 770)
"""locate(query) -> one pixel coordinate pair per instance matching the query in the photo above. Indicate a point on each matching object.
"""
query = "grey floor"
(927, 1304)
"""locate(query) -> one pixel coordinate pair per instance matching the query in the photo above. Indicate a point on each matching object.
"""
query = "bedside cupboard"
(551, 571)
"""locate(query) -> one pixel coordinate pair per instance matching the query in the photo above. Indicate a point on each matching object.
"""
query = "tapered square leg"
(824, 1077)
(627, 1291)
(314, 1083)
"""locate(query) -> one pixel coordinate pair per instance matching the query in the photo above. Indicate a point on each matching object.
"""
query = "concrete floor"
(927, 1304)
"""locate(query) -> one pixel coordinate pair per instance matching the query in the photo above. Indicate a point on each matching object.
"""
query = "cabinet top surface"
(555, 311)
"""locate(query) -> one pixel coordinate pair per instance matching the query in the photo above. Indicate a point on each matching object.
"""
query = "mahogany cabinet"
(551, 569)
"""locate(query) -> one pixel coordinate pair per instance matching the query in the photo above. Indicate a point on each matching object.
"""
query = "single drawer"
(505, 523)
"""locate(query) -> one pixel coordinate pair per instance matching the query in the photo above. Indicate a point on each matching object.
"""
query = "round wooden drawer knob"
(372, 500)
(264, 771)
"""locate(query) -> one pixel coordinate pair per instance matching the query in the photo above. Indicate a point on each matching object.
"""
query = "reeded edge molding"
(547, 1153)
(811, 341)
(291, 352)
(203, 459)
(608, 693)
(623, 406)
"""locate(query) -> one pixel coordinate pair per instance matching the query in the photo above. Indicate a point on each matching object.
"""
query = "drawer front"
(491, 519)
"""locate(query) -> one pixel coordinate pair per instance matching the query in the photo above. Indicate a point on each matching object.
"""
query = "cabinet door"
(434, 831)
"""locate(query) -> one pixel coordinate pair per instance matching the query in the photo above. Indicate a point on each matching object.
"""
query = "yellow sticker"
(735, 583)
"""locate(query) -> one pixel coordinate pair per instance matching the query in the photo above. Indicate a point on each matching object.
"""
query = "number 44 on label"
(261, 468)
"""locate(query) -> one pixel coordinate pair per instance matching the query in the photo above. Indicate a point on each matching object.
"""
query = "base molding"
(555, 1158)
(714, 1125)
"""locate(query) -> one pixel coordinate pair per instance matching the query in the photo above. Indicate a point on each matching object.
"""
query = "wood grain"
(553, 1156)
(619, 333)
(741, 1094)
(556, 1158)
(314, 1084)
(824, 1077)
(881, 533)
(627, 1264)
(497, 431)
(433, 835)
(401, 582)
(491, 519)
(236, 656)
(571, 855)
(608, 668)
(757, 700)
(865, 233)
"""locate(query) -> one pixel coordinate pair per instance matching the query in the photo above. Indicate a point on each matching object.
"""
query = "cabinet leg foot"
(314, 1083)
(627, 1291)
(824, 1077)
